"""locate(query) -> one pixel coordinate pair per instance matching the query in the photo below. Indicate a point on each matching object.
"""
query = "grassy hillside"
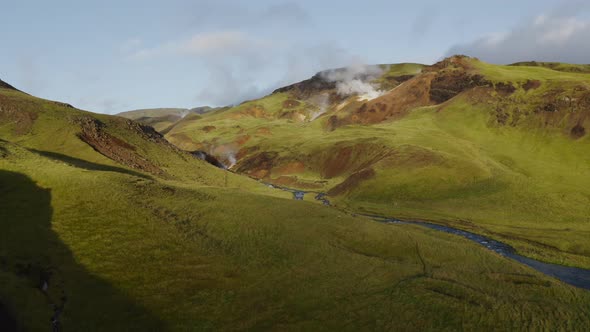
(60, 132)
(120, 251)
(107, 227)
(566, 67)
(499, 150)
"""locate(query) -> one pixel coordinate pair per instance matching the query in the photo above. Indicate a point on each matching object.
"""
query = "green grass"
(203, 249)
(143, 254)
(528, 189)
(523, 73)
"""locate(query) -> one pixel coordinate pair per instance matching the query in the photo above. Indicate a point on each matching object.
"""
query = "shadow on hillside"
(7, 322)
(41, 284)
(80, 163)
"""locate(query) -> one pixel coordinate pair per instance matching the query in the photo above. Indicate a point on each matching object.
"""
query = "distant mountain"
(163, 119)
(158, 112)
(153, 112)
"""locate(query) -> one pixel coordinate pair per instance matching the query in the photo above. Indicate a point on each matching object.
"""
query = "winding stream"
(570, 275)
(574, 276)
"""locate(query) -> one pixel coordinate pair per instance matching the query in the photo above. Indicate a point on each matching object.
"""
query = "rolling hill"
(107, 226)
(498, 150)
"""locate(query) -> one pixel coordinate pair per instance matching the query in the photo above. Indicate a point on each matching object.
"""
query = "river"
(574, 276)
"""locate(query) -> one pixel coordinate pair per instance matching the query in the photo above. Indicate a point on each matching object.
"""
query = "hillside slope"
(61, 132)
(93, 241)
(499, 150)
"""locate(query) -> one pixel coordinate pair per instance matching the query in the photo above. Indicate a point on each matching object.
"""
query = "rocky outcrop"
(94, 134)
(447, 85)
(202, 155)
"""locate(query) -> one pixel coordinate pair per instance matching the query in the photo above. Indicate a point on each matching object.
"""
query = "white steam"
(231, 159)
(356, 80)
(184, 113)
(225, 154)
(364, 90)
(323, 103)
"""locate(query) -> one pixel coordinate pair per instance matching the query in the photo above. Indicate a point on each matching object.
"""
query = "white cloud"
(560, 30)
(216, 43)
(557, 36)
(244, 53)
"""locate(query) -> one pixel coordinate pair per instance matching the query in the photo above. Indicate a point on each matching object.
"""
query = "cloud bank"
(559, 36)
(249, 58)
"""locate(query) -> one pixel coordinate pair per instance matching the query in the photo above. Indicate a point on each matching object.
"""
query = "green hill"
(498, 150)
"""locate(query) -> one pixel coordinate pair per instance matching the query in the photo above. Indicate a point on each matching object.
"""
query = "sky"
(114, 56)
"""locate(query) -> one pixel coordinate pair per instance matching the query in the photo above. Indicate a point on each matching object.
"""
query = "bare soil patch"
(93, 133)
(352, 182)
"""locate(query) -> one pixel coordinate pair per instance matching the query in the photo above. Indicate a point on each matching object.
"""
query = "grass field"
(143, 254)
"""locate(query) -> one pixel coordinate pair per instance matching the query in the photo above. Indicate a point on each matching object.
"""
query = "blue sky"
(113, 56)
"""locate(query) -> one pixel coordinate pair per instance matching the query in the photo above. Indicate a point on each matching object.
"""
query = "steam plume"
(231, 158)
(322, 102)
(356, 80)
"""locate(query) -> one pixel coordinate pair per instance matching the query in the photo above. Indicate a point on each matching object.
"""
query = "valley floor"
(128, 252)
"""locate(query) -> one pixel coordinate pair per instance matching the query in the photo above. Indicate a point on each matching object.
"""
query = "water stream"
(571, 275)
(574, 276)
